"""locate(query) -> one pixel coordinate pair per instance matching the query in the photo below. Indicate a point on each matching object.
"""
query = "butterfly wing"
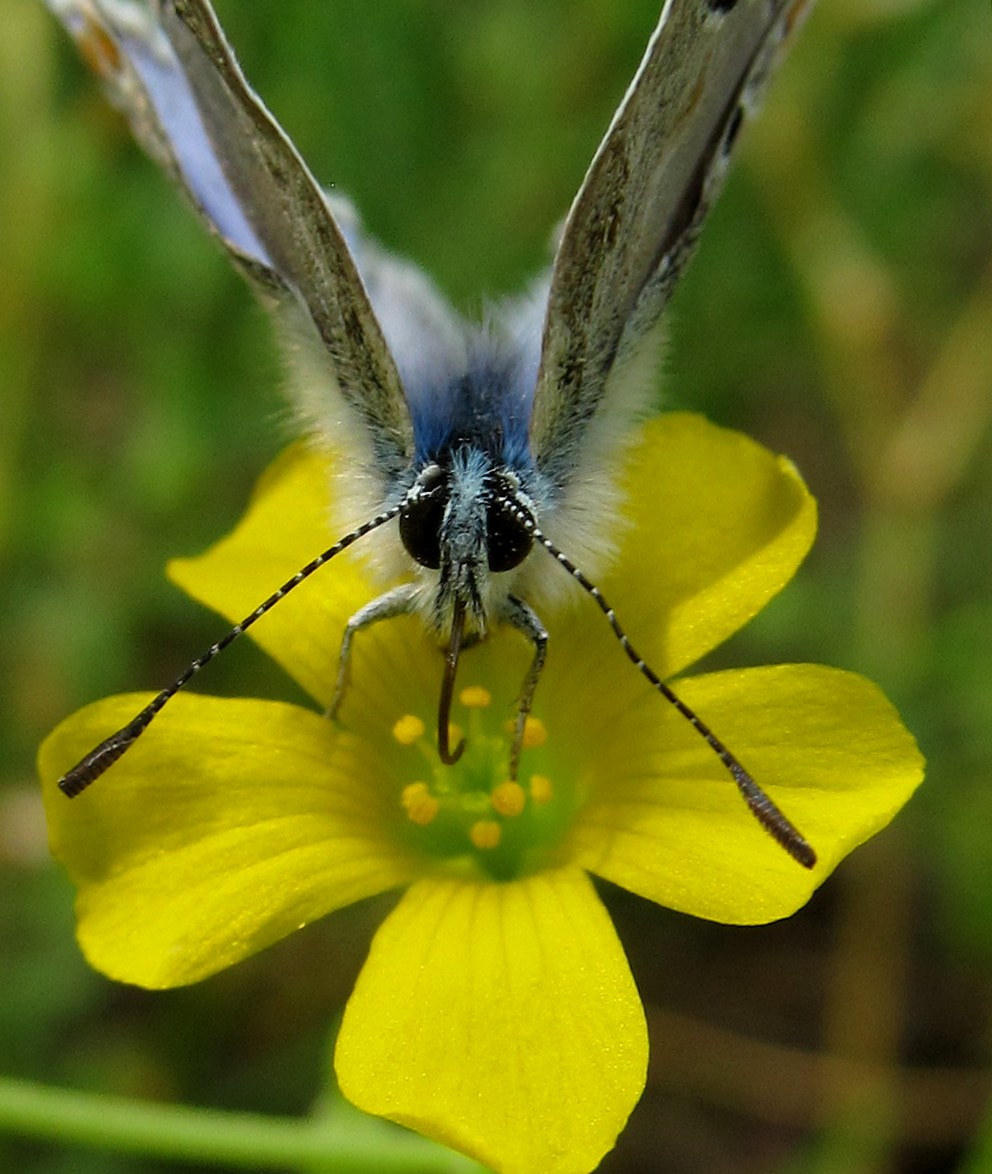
(172, 72)
(635, 221)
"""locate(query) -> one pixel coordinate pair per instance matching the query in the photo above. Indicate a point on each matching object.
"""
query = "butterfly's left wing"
(635, 221)
(167, 64)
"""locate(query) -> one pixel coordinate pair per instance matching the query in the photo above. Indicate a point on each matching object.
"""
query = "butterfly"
(467, 444)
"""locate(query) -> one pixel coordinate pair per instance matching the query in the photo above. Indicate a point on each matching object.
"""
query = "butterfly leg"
(521, 616)
(400, 601)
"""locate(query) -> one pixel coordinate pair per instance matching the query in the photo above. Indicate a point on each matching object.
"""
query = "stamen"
(508, 798)
(485, 834)
(419, 804)
(475, 697)
(535, 732)
(540, 789)
(408, 729)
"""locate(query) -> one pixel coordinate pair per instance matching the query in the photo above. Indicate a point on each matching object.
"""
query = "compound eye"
(508, 542)
(420, 525)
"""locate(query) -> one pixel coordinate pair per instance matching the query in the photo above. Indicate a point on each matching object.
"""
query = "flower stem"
(239, 1140)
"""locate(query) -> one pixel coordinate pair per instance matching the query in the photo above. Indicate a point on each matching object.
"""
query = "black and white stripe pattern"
(90, 768)
(759, 803)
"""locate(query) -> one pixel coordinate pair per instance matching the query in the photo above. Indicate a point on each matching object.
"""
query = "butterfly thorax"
(481, 402)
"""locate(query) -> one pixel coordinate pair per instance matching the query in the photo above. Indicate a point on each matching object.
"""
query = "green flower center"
(471, 812)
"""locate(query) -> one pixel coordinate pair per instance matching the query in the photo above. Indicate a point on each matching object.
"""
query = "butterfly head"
(461, 518)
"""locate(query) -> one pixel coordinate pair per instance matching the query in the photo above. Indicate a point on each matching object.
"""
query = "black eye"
(420, 523)
(508, 542)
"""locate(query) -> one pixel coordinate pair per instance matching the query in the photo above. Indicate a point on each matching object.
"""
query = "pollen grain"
(408, 729)
(535, 733)
(475, 697)
(485, 834)
(419, 804)
(508, 798)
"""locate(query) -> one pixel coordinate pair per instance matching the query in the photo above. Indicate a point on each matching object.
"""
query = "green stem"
(241, 1140)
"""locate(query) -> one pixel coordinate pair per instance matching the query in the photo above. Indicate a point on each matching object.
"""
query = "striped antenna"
(761, 805)
(90, 768)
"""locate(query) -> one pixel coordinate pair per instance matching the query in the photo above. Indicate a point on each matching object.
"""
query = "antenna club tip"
(90, 768)
(801, 851)
(803, 854)
(787, 837)
(71, 786)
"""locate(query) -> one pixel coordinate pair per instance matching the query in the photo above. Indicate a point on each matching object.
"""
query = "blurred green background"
(840, 310)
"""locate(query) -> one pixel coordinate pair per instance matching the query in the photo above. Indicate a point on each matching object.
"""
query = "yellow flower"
(496, 1011)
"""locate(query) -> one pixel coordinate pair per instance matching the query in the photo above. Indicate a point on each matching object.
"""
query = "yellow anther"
(419, 804)
(454, 734)
(475, 697)
(485, 833)
(540, 789)
(408, 730)
(535, 733)
(508, 798)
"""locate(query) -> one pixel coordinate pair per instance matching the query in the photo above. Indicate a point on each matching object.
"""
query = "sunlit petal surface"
(663, 816)
(718, 526)
(501, 1020)
(226, 827)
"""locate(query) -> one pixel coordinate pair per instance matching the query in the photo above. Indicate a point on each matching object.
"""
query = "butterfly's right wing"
(170, 69)
(636, 219)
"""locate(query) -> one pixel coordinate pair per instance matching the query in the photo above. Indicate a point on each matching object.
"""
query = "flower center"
(471, 810)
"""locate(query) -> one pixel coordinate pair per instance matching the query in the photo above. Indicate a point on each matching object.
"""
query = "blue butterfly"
(477, 441)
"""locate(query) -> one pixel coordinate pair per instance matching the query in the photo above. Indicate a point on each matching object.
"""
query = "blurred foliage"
(840, 310)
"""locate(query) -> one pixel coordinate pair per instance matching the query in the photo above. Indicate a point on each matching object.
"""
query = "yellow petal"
(228, 825)
(285, 526)
(665, 819)
(718, 526)
(395, 667)
(501, 1020)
